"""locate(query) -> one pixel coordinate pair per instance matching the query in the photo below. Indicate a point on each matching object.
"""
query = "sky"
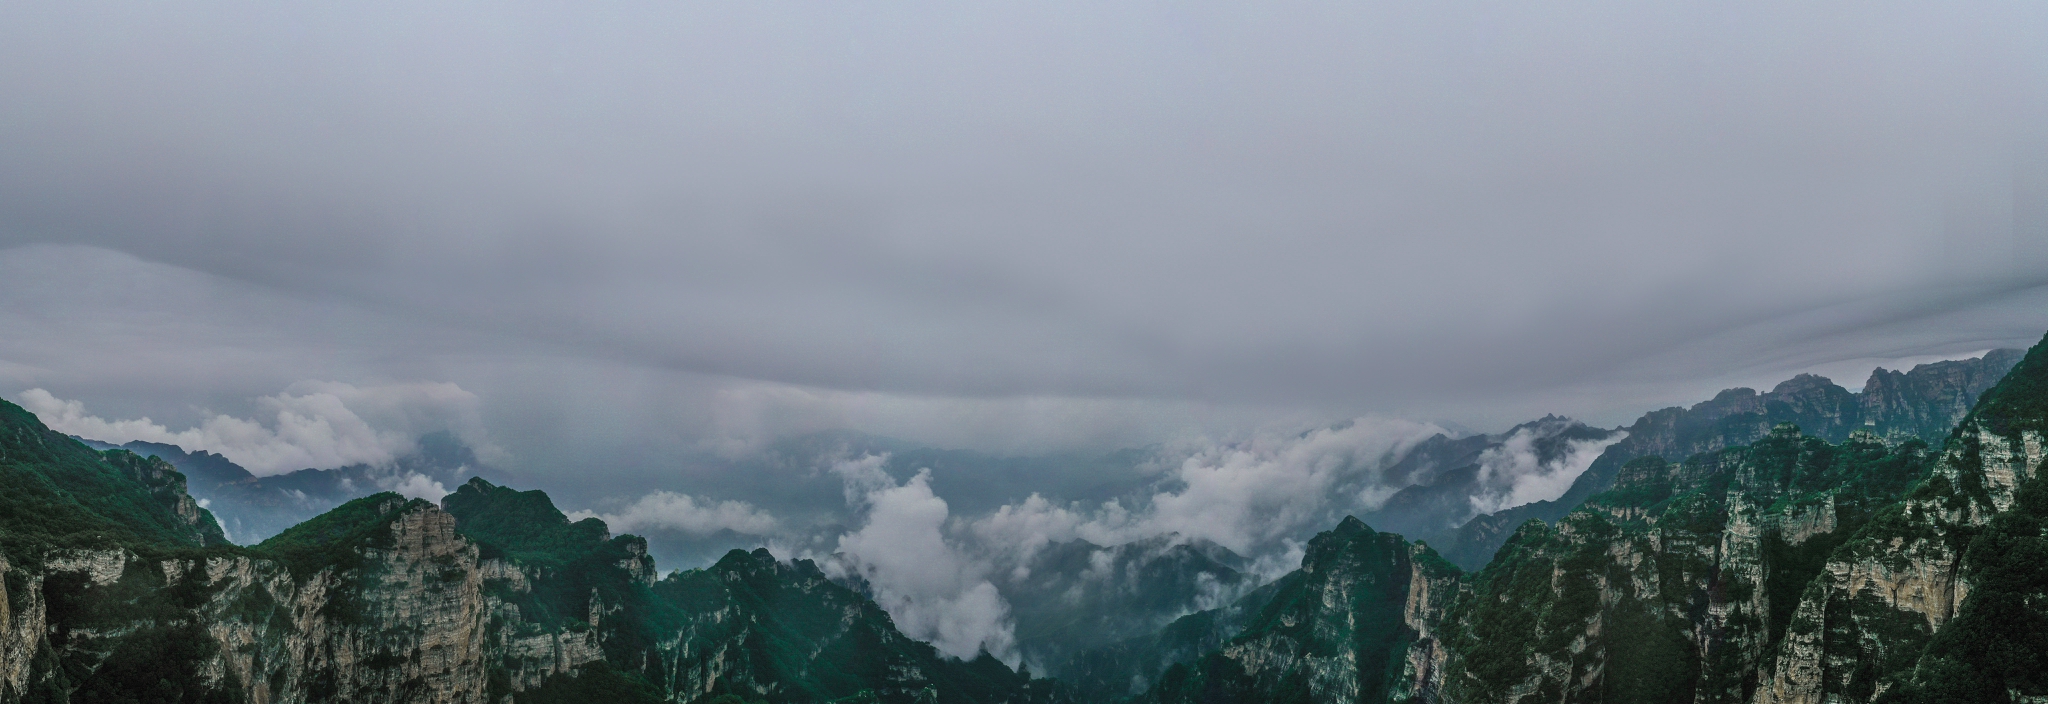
(636, 244)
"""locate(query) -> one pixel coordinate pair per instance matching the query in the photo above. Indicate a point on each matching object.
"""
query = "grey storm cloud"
(1048, 221)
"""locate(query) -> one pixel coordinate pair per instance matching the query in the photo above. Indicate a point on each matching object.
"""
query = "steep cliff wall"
(405, 617)
(1863, 626)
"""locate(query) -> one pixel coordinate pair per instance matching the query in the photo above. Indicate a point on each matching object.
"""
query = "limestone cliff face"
(1769, 565)
(1864, 624)
(407, 620)
(1433, 587)
(1881, 599)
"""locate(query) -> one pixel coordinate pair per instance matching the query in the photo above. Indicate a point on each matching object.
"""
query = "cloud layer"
(311, 425)
(1260, 496)
(666, 510)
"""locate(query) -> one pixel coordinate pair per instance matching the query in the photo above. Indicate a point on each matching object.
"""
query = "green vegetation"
(2020, 401)
(1298, 622)
(572, 562)
(787, 624)
(596, 683)
(522, 525)
(332, 539)
(57, 493)
(1619, 590)
(1997, 645)
(1128, 668)
(1679, 583)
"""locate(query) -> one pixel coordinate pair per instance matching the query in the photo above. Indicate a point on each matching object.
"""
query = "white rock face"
(1913, 576)
(411, 622)
(21, 631)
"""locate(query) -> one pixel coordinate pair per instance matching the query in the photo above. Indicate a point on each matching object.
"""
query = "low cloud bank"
(1259, 496)
(312, 424)
(664, 510)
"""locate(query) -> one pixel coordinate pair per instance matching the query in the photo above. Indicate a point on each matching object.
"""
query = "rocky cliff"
(381, 600)
(1942, 597)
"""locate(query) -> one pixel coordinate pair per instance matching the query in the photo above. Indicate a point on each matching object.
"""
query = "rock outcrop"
(404, 617)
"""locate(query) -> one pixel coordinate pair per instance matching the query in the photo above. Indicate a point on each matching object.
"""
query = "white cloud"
(673, 511)
(1246, 495)
(932, 589)
(1513, 474)
(863, 477)
(1256, 496)
(312, 424)
(415, 486)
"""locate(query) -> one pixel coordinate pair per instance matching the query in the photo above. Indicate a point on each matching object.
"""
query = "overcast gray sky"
(626, 228)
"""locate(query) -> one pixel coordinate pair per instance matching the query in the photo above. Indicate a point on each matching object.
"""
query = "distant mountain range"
(1923, 403)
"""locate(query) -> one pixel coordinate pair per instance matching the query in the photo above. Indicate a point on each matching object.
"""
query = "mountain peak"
(1802, 382)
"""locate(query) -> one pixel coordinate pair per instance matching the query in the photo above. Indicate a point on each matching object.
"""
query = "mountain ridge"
(1924, 402)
